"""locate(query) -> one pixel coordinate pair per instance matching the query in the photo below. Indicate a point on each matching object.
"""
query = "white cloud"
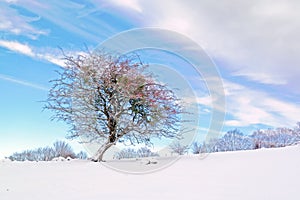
(17, 47)
(204, 101)
(254, 39)
(46, 54)
(25, 49)
(251, 107)
(11, 21)
(273, 79)
(73, 17)
(246, 107)
(52, 58)
(11, 1)
(56, 57)
(257, 40)
(131, 4)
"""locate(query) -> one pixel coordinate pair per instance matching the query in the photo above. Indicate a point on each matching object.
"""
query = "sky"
(253, 45)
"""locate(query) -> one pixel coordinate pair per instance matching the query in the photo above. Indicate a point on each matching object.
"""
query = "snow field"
(249, 175)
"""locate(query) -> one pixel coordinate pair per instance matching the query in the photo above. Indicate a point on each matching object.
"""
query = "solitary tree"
(113, 99)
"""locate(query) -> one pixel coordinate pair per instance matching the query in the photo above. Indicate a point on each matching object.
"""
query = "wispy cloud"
(131, 4)
(46, 54)
(25, 49)
(17, 47)
(247, 107)
(75, 17)
(256, 40)
(205, 101)
(53, 58)
(22, 82)
(12, 22)
(251, 107)
(264, 78)
(11, 1)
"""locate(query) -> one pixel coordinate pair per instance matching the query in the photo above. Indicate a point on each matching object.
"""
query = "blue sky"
(253, 44)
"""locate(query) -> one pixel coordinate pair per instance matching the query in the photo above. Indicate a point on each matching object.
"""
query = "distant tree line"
(135, 153)
(235, 140)
(59, 149)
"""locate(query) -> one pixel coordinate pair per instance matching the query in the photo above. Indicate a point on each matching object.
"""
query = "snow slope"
(262, 174)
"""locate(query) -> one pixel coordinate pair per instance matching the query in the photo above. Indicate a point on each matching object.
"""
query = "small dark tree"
(111, 99)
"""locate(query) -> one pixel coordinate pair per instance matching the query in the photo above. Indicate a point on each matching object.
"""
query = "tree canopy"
(112, 99)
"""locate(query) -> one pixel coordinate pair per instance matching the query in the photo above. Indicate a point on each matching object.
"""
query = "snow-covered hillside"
(251, 175)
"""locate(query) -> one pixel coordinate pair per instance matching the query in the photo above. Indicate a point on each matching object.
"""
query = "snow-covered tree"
(82, 155)
(145, 152)
(112, 99)
(178, 148)
(63, 149)
(211, 146)
(60, 148)
(126, 153)
(234, 140)
(279, 137)
(196, 148)
(132, 153)
(285, 137)
(297, 131)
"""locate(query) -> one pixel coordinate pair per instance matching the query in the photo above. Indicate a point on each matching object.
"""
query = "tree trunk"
(98, 157)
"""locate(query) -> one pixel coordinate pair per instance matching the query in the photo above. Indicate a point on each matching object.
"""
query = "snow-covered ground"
(266, 174)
